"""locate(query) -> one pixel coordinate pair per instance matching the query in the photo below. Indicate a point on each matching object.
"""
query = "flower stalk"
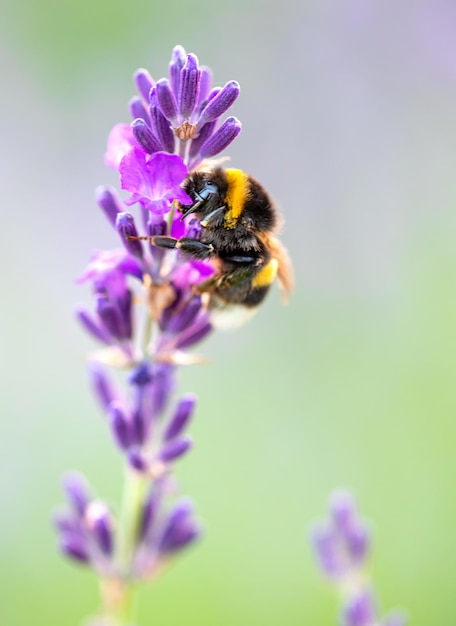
(146, 319)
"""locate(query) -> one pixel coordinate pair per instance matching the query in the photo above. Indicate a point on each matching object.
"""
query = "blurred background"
(348, 109)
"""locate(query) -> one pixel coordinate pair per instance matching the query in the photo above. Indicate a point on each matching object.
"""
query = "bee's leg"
(193, 247)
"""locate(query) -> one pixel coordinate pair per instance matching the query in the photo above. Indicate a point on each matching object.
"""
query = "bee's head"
(207, 190)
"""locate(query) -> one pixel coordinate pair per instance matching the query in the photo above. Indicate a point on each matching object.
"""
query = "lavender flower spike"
(341, 546)
(146, 314)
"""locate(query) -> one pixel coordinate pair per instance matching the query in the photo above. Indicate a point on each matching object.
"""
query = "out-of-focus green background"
(349, 110)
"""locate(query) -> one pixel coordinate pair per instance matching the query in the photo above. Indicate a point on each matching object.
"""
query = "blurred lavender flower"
(341, 545)
(146, 316)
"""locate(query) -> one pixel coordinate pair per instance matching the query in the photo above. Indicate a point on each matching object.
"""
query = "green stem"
(119, 594)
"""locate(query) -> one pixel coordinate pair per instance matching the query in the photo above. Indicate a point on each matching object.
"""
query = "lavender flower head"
(341, 544)
(145, 318)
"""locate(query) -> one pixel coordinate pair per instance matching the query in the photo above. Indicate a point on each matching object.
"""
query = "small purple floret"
(360, 610)
(78, 491)
(222, 138)
(144, 83)
(181, 418)
(176, 448)
(144, 136)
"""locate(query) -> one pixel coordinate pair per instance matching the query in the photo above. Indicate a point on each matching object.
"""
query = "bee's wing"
(285, 273)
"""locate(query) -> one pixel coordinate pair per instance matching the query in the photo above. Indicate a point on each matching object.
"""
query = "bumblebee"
(239, 222)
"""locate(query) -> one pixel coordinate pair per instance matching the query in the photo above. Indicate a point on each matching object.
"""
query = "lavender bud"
(100, 524)
(78, 492)
(137, 461)
(125, 310)
(109, 315)
(138, 110)
(141, 375)
(120, 425)
(91, 326)
(144, 83)
(205, 83)
(177, 62)
(166, 100)
(359, 610)
(185, 316)
(189, 86)
(65, 523)
(74, 547)
(204, 134)
(161, 125)
(155, 228)
(220, 103)
(194, 334)
(222, 138)
(175, 448)
(327, 551)
(101, 385)
(181, 417)
(150, 510)
(126, 228)
(180, 529)
(144, 136)
(108, 201)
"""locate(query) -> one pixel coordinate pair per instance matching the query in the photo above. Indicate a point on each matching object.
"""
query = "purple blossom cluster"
(341, 544)
(146, 316)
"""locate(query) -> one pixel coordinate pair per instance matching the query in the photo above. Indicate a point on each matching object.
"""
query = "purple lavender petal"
(178, 58)
(181, 417)
(120, 141)
(153, 179)
(102, 385)
(360, 610)
(109, 268)
(220, 103)
(74, 547)
(181, 529)
(78, 492)
(144, 137)
(166, 100)
(222, 138)
(100, 524)
(120, 425)
(126, 228)
(175, 448)
(91, 326)
(190, 78)
(144, 83)
(108, 200)
(138, 110)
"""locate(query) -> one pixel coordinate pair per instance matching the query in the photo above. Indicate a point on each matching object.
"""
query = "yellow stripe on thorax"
(266, 275)
(236, 196)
